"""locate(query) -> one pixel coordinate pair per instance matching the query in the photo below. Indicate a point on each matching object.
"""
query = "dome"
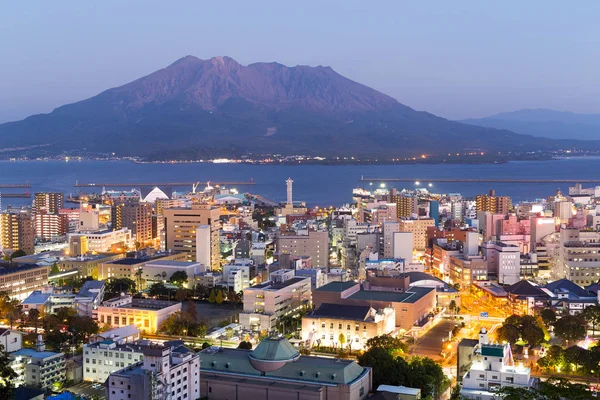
(273, 353)
(155, 194)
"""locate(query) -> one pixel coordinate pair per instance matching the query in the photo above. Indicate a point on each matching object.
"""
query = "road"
(430, 344)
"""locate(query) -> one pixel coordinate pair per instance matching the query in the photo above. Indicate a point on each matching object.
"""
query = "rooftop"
(307, 369)
(412, 295)
(37, 297)
(8, 268)
(26, 352)
(355, 313)
(337, 287)
(170, 263)
(270, 285)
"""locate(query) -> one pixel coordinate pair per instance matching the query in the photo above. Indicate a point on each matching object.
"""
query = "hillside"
(544, 123)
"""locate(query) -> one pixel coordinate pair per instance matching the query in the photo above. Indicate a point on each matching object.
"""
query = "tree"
(592, 316)
(17, 254)
(181, 294)
(219, 298)
(13, 315)
(82, 328)
(245, 345)
(157, 289)
(212, 297)
(116, 286)
(205, 345)
(54, 269)
(570, 327)
(176, 324)
(509, 333)
(179, 278)
(391, 344)
(551, 389)
(452, 307)
(342, 340)
(34, 318)
(192, 311)
(7, 376)
(548, 316)
(234, 297)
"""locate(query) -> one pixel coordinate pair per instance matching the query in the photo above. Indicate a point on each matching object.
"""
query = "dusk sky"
(456, 59)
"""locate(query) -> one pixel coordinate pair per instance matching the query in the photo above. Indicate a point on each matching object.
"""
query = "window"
(339, 326)
(322, 324)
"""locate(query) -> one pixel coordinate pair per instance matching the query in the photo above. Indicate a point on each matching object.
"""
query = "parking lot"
(85, 389)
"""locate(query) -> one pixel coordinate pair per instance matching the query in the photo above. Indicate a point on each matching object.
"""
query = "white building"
(266, 302)
(163, 270)
(38, 367)
(104, 241)
(165, 373)
(389, 228)
(236, 275)
(318, 276)
(493, 368)
(504, 261)
(403, 244)
(11, 340)
(101, 359)
(146, 314)
(203, 246)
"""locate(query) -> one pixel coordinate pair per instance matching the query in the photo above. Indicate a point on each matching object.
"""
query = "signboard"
(483, 314)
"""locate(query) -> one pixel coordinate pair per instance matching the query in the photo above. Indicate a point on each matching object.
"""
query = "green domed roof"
(275, 349)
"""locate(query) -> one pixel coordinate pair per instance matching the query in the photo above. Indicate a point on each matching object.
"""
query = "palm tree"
(34, 318)
(452, 307)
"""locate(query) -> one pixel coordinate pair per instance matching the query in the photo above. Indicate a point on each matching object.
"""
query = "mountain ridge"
(542, 122)
(217, 107)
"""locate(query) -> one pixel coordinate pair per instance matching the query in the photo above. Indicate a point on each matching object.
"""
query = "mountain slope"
(544, 123)
(199, 108)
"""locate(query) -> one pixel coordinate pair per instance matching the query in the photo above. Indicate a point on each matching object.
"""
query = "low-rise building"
(413, 307)
(103, 358)
(346, 326)
(275, 370)
(130, 267)
(11, 340)
(166, 372)
(19, 282)
(493, 368)
(163, 270)
(103, 241)
(146, 314)
(265, 303)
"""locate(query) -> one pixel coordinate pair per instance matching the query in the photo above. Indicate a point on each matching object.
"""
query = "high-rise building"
(492, 203)
(180, 230)
(48, 225)
(434, 211)
(406, 206)
(17, 232)
(419, 229)
(137, 216)
(314, 245)
(52, 202)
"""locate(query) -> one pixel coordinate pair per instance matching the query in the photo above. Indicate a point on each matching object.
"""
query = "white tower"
(483, 336)
(288, 184)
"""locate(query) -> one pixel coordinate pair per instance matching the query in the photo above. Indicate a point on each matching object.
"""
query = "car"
(96, 386)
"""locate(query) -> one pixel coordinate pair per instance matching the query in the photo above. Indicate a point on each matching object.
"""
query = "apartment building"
(504, 261)
(38, 367)
(162, 270)
(137, 216)
(284, 294)
(493, 204)
(17, 232)
(49, 226)
(146, 314)
(418, 227)
(577, 257)
(180, 230)
(314, 245)
(52, 202)
(406, 206)
(346, 326)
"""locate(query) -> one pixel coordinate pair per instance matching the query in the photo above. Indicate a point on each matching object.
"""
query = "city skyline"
(495, 58)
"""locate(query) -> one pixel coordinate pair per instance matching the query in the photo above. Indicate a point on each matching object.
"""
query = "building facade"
(146, 314)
